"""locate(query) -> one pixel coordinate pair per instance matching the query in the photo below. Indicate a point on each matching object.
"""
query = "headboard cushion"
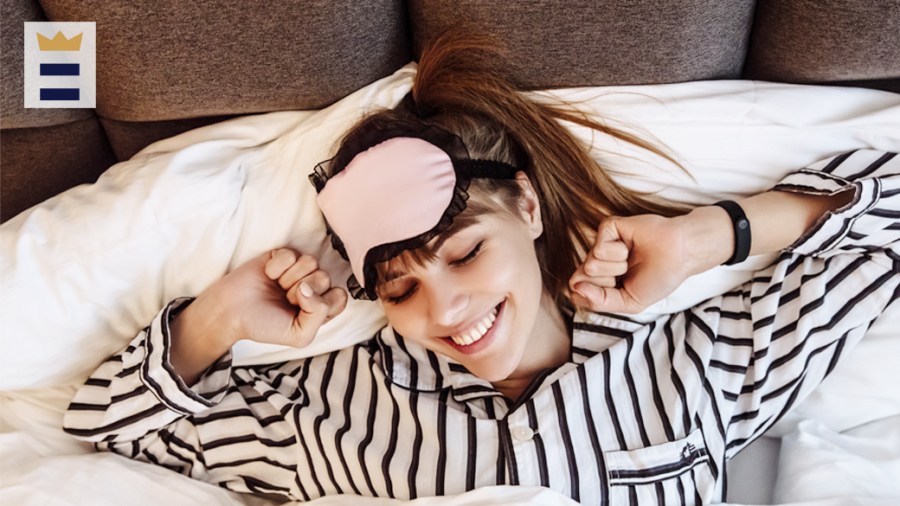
(213, 58)
(815, 41)
(591, 43)
(13, 114)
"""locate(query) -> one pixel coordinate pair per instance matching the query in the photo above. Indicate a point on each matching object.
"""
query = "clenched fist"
(280, 297)
(634, 262)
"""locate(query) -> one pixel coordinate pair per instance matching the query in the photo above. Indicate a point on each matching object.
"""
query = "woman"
(480, 225)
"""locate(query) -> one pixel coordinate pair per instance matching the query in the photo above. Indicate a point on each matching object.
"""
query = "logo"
(60, 65)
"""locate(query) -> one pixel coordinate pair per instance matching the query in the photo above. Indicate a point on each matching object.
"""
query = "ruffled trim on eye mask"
(466, 169)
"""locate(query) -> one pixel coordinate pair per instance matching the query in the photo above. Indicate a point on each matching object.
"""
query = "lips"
(476, 339)
(477, 331)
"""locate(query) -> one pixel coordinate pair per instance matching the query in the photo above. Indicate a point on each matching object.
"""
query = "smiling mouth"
(479, 330)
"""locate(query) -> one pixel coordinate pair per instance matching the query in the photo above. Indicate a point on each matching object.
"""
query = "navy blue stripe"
(567, 442)
(442, 442)
(297, 408)
(392, 441)
(324, 415)
(883, 159)
(654, 387)
(610, 403)
(370, 424)
(60, 69)
(60, 93)
(472, 459)
(592, 432)
(538, 443)
(833, 164)
(348, 398)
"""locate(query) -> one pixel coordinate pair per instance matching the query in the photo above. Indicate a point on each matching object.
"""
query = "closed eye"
(401, 298)
(456, 263)
(471, 256)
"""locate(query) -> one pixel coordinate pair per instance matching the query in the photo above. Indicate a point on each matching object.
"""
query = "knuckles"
(308, 263)
(319, 280)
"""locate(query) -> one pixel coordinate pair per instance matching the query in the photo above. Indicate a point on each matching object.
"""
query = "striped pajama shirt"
(642, 413)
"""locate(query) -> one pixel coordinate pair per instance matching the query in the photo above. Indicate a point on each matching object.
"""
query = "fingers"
(306, 285)
(597, 268)
(606, 261)
(608, 231)
(287, 267)
(278, 262)
(337, 301)
(610, 251)
(609, 299)
(318, 282)
(596, 282)
(610, 245)
(316, 309)
(329, 302)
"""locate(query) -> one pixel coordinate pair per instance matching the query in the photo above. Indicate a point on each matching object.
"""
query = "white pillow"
(86, 270)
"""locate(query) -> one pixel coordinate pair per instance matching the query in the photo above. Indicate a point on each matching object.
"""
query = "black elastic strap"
(486, 169)
(741, 226)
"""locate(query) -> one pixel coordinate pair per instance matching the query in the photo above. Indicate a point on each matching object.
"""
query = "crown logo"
(59, 42)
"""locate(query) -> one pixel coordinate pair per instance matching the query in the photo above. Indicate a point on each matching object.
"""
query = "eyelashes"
(402, 298)
(456, 263)
(471, 256)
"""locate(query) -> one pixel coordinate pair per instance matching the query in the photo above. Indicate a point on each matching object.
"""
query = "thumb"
(311, 314)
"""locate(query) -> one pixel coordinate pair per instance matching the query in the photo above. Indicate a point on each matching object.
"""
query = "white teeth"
(477, 331)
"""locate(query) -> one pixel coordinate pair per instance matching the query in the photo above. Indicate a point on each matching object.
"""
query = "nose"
(447, 304)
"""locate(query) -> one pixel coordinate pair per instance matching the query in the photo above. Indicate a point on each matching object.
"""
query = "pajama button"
(522, 433)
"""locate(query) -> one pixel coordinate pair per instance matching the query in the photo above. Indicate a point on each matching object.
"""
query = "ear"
(530, 206)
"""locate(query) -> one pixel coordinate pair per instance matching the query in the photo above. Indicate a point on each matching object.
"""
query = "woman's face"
(477, 301)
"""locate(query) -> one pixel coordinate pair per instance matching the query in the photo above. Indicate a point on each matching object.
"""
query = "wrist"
(205, 323)
(708, 238)
(197, 340)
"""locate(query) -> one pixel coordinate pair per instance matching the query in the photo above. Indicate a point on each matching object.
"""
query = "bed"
(78, 281)
(84, 270)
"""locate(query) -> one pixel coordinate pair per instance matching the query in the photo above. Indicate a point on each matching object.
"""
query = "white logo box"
(58, 88)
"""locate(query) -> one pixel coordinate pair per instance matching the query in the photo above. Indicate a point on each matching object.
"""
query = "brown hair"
(458, 88)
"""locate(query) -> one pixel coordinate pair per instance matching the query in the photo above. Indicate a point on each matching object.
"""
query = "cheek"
(494, 272)
(407, 320)
(516, 267)
(514, 271)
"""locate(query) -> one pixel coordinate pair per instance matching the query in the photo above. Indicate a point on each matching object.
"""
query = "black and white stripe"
(641, 414)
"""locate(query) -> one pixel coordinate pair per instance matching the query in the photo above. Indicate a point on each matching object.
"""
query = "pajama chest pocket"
(664, 473)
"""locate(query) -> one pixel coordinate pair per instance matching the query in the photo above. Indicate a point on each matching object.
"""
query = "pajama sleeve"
(763, 347)
(231, 428)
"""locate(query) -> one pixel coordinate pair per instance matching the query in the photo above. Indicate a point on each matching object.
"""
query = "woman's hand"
(279, 297)
(639, 260)
(635, 262)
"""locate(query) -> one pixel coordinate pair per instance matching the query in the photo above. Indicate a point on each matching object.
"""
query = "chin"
(493, 372)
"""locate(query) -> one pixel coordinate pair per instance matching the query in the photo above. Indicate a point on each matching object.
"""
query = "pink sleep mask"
(394, 196)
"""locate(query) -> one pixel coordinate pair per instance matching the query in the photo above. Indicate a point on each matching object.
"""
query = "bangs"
(419, 257)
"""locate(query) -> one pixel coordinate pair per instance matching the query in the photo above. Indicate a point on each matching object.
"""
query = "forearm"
(136, 392)
(777, 220)
(198, 339)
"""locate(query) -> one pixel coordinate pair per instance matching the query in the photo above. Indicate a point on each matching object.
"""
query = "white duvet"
(84, 271)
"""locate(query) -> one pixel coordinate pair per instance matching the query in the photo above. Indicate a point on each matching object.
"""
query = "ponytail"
(458, 88)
